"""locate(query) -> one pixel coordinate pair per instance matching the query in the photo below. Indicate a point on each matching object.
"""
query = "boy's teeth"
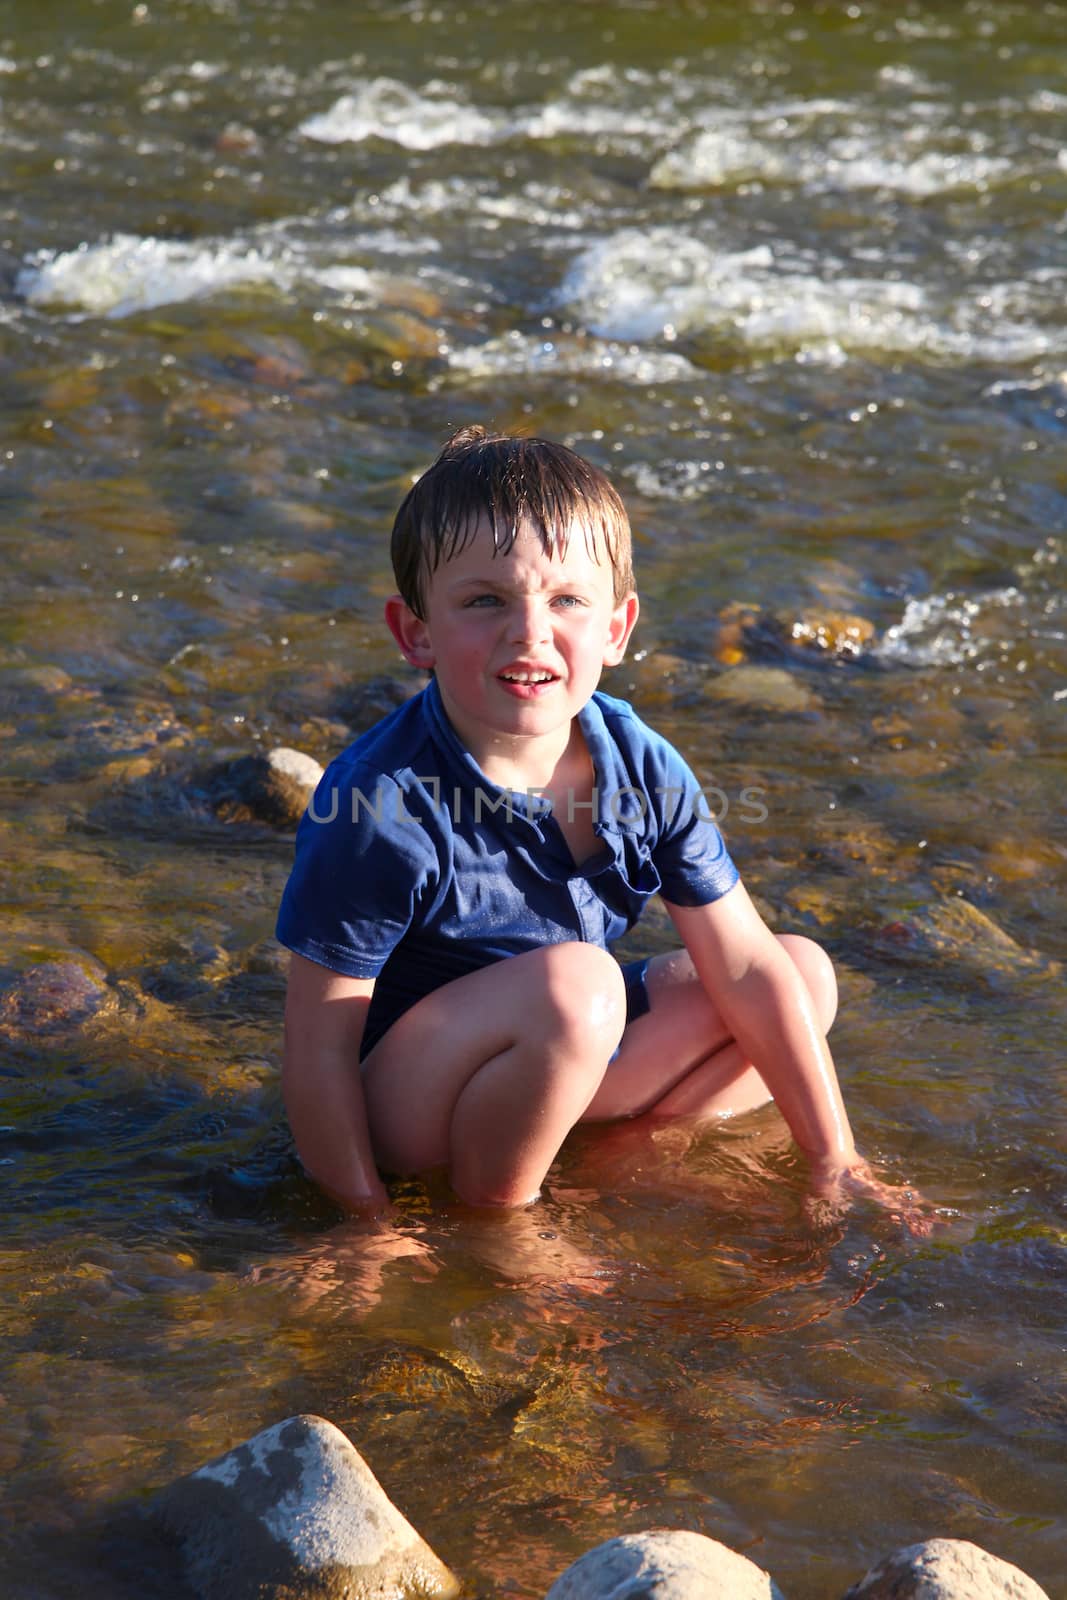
(528, 677)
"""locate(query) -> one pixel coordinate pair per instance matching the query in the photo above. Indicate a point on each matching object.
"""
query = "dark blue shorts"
(638, 1004)
(634, 975)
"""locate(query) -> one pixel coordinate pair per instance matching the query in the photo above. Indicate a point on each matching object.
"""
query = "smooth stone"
(945, 1569)
(296, 1512)
(665, 1564)
(273, 788)
(294, 764)
(770, 688)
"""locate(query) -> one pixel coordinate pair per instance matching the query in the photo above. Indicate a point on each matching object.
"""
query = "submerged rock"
(945, 1569)
(364, 704)
(296, 1512)
(666, 1564)
(273, 788)
(955, 932)
(53, 997)
(769, 688)
(829, 633)
(236, 139)
(746, 633)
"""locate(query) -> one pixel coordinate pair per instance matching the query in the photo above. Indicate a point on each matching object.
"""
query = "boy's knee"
(817, 970)
(585, 992)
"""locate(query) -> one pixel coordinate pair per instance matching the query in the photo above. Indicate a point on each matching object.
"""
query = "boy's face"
(517, 641)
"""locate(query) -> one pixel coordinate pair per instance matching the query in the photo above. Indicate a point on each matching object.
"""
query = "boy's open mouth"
(527, 680)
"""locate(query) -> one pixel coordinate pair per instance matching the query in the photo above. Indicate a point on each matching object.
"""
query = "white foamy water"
(629, 274)
(1052, 384)
(130, 274)
(946, 629)
(350, 281)
(517, 353)
(419, 119)
(718, 156)
(534, 205)
(636, 283)
(724, 155)
(1018, 628)
(438, 114)
(609, 125)
(127, 274)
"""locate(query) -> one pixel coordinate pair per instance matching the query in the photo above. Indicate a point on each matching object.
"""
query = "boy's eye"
(488, 601)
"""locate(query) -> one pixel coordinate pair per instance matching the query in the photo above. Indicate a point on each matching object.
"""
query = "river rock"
(829, 633)
(364, 704)
(955, 932)
(273, 788)
(746, 633)
(236, 139)
(769, 688)
(665, 1564)
(52, 997)
(296, 1514)
(945, 1569)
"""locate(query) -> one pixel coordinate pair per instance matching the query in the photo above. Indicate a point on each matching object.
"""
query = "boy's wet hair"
(511, 483)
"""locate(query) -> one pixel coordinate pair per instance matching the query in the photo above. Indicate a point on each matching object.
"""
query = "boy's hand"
(835, 1187)
(346, 1267)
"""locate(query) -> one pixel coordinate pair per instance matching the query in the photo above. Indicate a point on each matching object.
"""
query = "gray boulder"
(945, 1569)
(665, 1564)
(296, 1514)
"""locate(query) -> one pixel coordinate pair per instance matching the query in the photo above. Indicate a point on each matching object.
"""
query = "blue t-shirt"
(413, 868)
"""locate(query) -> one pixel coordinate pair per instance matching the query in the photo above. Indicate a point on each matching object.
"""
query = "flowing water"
(794, 274)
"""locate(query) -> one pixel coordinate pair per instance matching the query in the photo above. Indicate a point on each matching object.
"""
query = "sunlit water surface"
(795, 275)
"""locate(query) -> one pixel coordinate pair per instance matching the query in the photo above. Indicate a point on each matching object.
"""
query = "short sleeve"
(363, 867)
(690, 854)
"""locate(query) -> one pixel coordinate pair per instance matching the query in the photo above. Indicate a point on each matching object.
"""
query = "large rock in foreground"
(296, 1514)
(663, 1565)
(945, 1569)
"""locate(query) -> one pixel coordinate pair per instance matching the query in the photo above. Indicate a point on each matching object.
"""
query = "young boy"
(467, 864)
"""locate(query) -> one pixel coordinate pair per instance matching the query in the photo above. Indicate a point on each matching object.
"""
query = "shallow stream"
(795, 275)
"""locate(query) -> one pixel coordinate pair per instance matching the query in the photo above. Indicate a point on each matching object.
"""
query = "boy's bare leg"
(679, 1060)
(488, 1074)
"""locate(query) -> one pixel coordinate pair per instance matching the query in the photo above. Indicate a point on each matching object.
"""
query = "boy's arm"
(325, 1014)
(765, 1005)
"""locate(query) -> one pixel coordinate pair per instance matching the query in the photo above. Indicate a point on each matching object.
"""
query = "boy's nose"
(531, 622)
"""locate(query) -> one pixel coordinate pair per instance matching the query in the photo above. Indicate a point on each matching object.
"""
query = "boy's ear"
(623, 622)
(410, 633)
